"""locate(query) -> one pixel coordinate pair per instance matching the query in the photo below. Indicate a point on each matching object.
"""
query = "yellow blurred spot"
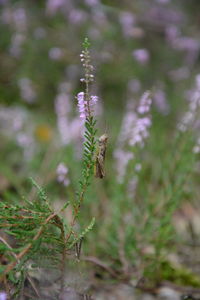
(43, 133)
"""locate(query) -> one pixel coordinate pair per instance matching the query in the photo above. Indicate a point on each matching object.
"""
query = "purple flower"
(3, 296)
(141, 56)
(127, 21)
(20, 19)
(172, 33)
(190, 117)
(139, 129)
(77, 16)
(92, 2)
(70, 129)
(17, 41)
(27, 90)
(83, 104)
(54, 5)
(62, 172)
(134, 86)
(126, 129)
(2, 2)
(140, 132)
(94, 99)
(145, 104)
(134, 131)
(122, 158)
(161, 102)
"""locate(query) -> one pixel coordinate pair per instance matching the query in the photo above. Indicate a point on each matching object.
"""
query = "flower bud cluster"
(86, 62)
(86, 101)
(62, 174)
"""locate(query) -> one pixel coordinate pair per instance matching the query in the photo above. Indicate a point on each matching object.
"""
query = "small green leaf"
(86, 44)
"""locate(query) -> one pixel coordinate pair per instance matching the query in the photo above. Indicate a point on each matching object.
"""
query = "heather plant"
(152, 158)
(41, 235)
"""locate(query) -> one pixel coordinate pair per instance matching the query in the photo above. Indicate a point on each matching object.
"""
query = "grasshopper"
(100, 157)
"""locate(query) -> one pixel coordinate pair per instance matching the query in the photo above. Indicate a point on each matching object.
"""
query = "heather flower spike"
(134, 132)
(85, 100)
(85, 103)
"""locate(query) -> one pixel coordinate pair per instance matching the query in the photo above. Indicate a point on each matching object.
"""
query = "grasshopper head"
(103, 139)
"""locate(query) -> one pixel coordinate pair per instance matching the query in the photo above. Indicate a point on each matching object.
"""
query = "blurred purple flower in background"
(55, 53)
(145, 103)
(12, 119)
(63, 108)
(70, 128)
(26, 141)
(3, 296)
(141, 56)
(140, 132)
(186, 43)
(127, 21)
(92, 2)
(138, 167)
(16, 18)
(191, 116)
(76, 129)
(16, 125)
(141, 127)
(3, 2)
(160, 101)
(132, 185)
(16, 44)
(27, 90)
(6, 16)
(196, 148)
(122, 158)
(162, 16)
(134, 131)
(62, 174)
(134, 86)
(190, 46)
(77, 16)
(100, 19)
(179, 74)
(20, 19)
(172, 32)
(126, 129)
(53, 5)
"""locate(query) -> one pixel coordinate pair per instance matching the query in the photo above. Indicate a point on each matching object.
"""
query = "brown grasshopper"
(100, 157)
